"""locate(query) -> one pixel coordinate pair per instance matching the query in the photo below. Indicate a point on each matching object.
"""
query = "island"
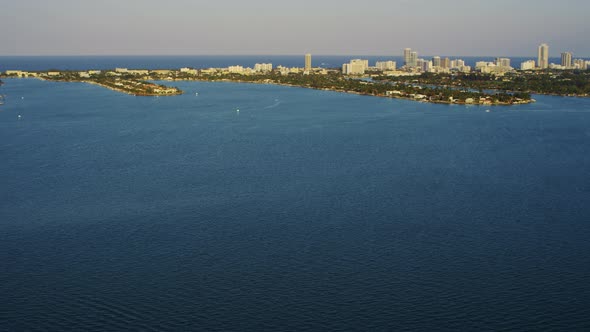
(445, 88)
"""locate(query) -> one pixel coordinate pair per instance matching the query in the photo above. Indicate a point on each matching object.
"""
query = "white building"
(491, 68)
(581, 64)
(407, 52)
(235, 69)
(263, 67)
(566, 59)
(188, 71)
(424, 65)
(527, 65)
(385, 65)
(308, 62)
(543, 56)
(355, 67)
(503, 62)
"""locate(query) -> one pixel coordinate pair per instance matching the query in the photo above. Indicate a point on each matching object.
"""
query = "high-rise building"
(543, 56)
(308, 62)
(424, 65)
(355, 67)
(566, 59)
(413, 59)
(445, 63)
(385, 65)
(502, 62)
(436, 61)
(407, 54)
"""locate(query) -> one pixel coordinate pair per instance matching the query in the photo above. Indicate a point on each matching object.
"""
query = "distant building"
(385, 65)
(581, 64)
(18, 73)
(491, 68)
(189, 71)
(527, 65)
(263, 67)
(445, 63)
(235, 69)
(413, 59)
(424, 65)
(503, 62)
(308, 62)
(436, 62)
(355, 67)
(543, 56)
(407, 54)
(458, 63)
(566, 59)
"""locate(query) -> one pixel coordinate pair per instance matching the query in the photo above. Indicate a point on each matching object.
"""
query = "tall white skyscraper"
(407, 54)
(308, 62)
(543, 56)
(413, 59)
(566, 59)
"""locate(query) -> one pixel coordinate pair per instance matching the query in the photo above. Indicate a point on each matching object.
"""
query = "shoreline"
(138, 86)
(442, 102)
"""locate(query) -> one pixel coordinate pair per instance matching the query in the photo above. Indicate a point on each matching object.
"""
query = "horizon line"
(261, 54)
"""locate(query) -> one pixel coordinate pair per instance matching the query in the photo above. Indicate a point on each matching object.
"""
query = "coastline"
(142, 85)
(391, 96)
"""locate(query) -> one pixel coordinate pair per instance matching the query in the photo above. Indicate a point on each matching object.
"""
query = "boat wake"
(276, 104)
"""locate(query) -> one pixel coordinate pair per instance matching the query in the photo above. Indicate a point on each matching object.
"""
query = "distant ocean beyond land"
(38, 63)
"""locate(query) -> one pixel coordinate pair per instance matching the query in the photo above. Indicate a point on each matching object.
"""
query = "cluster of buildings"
(413, 65)
(435, 65)
(567, 61)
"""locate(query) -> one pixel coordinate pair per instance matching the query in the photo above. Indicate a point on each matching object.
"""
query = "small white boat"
(196, 93)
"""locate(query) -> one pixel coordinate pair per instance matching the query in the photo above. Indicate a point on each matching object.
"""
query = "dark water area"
(306, 210)
(41, 63)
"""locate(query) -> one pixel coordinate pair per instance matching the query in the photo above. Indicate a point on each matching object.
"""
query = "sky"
(278, 27)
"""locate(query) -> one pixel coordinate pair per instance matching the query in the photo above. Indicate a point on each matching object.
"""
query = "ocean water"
(306, 210)
(41, 63)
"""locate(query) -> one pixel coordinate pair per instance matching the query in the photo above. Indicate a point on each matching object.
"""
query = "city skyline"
(258, 27)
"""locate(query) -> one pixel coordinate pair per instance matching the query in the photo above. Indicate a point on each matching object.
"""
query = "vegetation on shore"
(136, 83)
(339, 82)
(129, 85)
(550, 82)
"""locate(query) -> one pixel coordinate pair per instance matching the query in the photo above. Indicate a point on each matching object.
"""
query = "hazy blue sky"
(370, 27)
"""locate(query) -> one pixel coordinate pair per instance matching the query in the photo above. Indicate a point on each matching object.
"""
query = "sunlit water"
(305, 210)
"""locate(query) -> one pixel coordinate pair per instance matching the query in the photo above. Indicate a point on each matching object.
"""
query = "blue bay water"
(306, 210)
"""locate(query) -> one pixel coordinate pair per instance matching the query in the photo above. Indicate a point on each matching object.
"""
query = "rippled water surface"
(306, 210)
